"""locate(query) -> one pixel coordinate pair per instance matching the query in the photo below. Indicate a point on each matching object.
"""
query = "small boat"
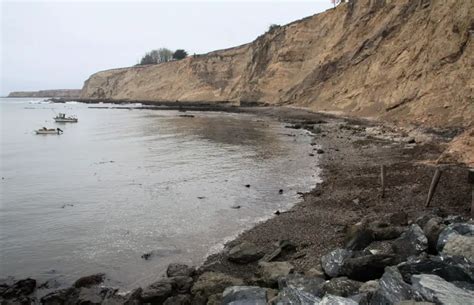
(62, 118)
(45, 130)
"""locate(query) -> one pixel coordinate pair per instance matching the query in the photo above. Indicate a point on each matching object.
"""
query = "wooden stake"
(434, 184)
(470, 179)
(382, 179)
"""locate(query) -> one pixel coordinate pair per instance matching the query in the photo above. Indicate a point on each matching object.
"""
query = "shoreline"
(352, 152)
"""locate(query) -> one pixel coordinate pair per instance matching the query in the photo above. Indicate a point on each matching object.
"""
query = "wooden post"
(382, 179)
(470, 179)
(434, 184)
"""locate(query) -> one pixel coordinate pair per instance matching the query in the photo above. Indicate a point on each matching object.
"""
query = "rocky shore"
(342, 244)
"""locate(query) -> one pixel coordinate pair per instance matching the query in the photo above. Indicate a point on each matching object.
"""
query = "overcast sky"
(58, 44)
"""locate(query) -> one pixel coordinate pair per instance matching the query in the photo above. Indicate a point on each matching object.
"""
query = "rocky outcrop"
(393, 60)
(58, 93)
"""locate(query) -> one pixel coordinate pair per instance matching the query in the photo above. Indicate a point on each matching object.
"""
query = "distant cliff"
(63, 93)
(401, 60)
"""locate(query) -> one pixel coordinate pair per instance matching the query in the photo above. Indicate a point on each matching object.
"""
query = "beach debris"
(277, 212)
(247, 185)
(235, 206)
(201, 197)
(280, 191)
(320, 151)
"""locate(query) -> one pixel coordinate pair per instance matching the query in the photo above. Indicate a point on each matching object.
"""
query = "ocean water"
(121, 183)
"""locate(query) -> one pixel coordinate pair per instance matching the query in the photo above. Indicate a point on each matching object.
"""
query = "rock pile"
(427, 261)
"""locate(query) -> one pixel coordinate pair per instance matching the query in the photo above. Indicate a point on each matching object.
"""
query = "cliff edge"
(399, 60)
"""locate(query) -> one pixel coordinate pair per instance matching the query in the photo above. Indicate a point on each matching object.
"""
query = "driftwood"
(382, 179)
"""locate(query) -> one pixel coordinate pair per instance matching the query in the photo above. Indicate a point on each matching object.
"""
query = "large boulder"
(455, 228)
(435, 289)
(392, 289)
(384, 231)
(380, 247)
(289, 296)
(360, 237)
(181, 284)
(368, 267)
(20, 288)
(341, 286)
(460, 245)
(271, 272)
(411, 242)
(452, 269)
(432, 229)
(179, 270)
(180, 299)
(90, 280)
(307, 284)
(210, 283)
(334, 260)
(245, 253)
(158, 292)
(337, 300)
(244, 295)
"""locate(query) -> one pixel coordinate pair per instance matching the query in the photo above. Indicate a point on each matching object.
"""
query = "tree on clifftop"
(180, 54)
(156, 56)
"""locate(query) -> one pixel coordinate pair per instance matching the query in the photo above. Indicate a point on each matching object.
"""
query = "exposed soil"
(351, 188)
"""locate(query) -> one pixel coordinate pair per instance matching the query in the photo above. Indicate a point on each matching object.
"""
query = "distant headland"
(61, 93)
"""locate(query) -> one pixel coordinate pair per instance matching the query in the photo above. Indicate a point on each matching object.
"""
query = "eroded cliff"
(404, 60)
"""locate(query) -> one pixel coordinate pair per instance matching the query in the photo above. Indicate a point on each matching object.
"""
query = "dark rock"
(361, 239)
(244, 253)
(247, 185)
(57, 297)
(432, 229)
(181, 284)
(341, 286)
(398, 218)
(392, 289)
(283, 247)
(384, 231)
(368, 267)
(380, 247)
(455, 228)
(93, 295)
(179, 270)
(334, 260)
(361, 298)
(449, 268)
(437, 290)
(289, 296)
(277, 212)
(320, 151)
(210, 283)
(312, 285)
(336, 300)
(244, 295)
(180, 299)
(280, 191)
(89, 281)
(271, 272)
(158, 292)
(20, 288)
(411, 242)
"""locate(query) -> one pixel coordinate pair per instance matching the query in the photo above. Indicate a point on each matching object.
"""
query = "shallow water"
(120, 183)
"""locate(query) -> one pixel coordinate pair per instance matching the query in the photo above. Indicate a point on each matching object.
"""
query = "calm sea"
(121, 183)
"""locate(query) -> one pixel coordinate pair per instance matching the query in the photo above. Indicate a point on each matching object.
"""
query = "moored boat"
(62, 118)
(45, 130)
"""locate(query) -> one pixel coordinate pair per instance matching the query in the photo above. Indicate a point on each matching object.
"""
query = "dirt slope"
(405, 60)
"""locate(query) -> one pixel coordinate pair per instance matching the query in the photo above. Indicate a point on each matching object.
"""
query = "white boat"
(62, 118)
(45, 130)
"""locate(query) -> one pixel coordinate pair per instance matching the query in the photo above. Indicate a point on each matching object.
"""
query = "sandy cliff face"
(405, 60)
(63, 93)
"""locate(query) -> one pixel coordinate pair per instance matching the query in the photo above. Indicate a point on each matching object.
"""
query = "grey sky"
(58, 44)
